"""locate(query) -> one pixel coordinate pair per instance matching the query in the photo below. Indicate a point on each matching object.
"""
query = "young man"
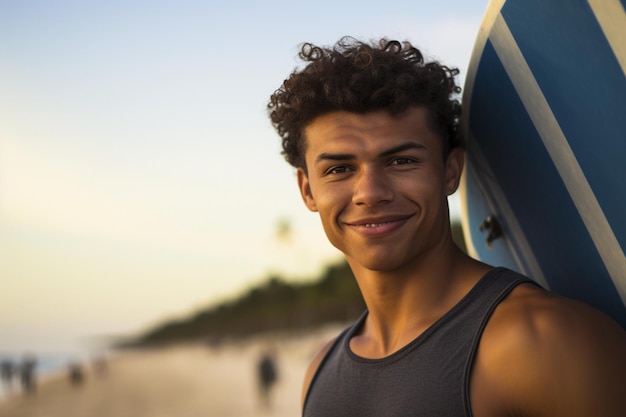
(372, 132)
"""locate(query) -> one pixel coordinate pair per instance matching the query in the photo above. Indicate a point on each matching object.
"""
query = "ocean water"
(46, 365)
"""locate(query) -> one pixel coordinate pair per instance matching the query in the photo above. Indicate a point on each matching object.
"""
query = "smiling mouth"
(378, 228)
(373, 223)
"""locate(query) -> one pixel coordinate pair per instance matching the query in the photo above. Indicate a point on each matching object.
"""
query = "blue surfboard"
(544, 187)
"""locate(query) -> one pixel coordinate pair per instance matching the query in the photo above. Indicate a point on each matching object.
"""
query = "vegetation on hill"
(276, 305)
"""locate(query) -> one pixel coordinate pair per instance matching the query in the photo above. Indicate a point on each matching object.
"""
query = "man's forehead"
(337, 128)
(346, 120)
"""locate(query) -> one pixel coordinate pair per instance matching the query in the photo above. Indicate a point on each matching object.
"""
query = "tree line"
(276, 305)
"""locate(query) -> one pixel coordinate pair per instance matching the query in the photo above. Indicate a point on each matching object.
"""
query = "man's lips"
(378, 226)
(378, 221)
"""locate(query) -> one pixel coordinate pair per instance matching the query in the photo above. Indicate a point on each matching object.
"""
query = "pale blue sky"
(139, 175)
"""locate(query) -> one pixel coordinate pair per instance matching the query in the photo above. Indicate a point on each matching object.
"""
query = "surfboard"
(544, 187)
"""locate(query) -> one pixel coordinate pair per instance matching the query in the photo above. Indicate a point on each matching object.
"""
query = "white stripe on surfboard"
(611, 16)
(562, 155)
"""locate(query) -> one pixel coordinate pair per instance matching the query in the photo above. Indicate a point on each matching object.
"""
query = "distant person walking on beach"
(372, 129)
(7, 370)
(75, 374)
(267, 374)
(28, 374)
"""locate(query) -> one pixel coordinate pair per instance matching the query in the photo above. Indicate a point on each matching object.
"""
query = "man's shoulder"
(531, 315)
(531, 320)
(539, 348)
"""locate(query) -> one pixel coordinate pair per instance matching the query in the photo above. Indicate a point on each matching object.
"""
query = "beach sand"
(179, 381)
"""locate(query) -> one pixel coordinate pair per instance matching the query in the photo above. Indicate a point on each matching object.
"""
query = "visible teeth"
(375, 224)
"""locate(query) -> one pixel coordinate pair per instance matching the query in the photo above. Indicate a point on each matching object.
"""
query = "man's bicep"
(576, 362)
(597, 355)
(543, 355)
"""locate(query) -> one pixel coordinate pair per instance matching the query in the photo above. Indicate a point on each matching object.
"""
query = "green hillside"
(276, 305)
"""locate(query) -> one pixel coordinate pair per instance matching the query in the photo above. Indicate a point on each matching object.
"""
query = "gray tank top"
(427, 377)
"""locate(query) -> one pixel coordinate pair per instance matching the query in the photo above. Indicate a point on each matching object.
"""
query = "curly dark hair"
(358, 77)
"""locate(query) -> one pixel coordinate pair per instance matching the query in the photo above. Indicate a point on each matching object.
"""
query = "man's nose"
(371, 188)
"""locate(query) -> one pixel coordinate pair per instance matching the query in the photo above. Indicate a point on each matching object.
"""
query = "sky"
(140, 178)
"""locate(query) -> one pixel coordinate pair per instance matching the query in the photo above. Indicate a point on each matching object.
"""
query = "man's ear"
(305, 189)
(454, 169)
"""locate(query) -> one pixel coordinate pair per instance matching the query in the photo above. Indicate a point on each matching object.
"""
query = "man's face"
(380, 185)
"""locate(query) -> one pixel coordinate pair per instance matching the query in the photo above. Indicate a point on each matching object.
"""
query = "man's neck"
(403, 303)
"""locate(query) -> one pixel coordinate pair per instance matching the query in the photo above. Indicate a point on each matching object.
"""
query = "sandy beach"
(179, 381)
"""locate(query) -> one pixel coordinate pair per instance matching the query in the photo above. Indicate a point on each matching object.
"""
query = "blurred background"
(142, 192)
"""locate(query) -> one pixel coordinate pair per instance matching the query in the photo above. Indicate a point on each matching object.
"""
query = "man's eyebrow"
(347, 156)
(401, 148)
(334, 157)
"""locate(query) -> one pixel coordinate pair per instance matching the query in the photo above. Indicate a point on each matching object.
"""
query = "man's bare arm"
(544, 355)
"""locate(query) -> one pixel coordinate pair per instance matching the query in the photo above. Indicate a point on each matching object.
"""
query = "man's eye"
(341, 169)
(403, 161)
